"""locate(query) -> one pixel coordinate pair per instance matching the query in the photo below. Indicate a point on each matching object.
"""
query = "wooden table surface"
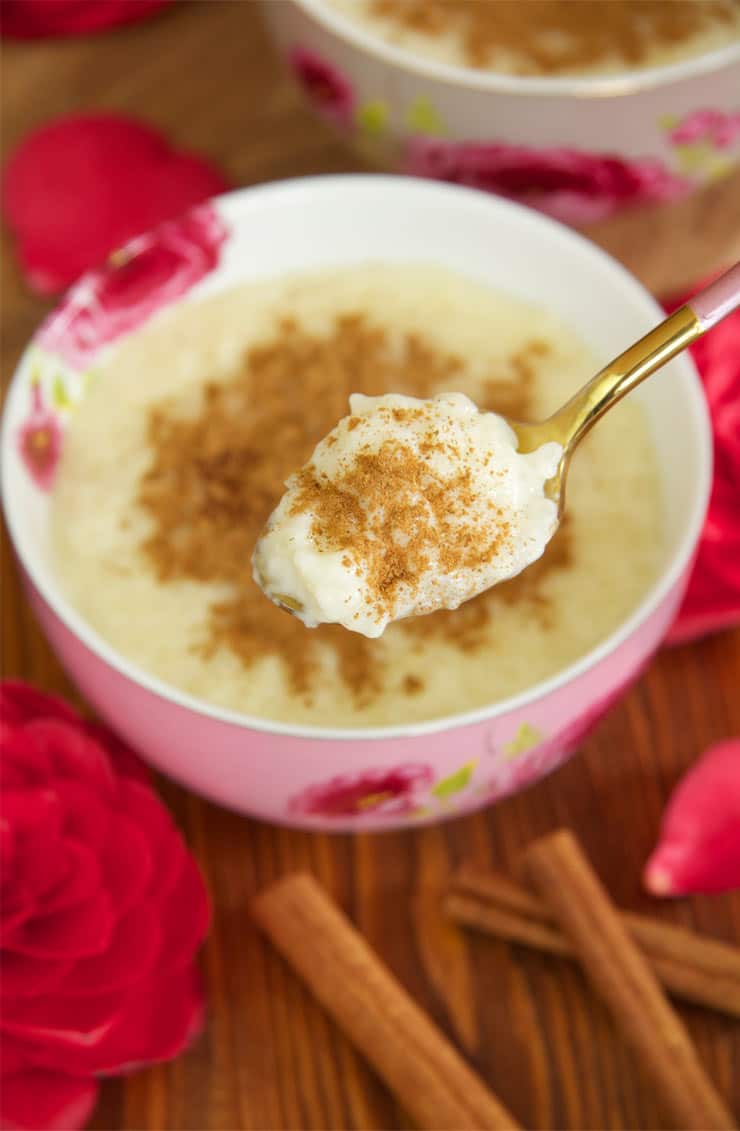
(269, 1058)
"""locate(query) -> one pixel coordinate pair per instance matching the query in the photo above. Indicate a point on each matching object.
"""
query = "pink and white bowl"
(400, 775)
(580, 148)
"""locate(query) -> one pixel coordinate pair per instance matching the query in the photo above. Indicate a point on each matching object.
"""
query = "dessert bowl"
(580, 148)
(319, 777)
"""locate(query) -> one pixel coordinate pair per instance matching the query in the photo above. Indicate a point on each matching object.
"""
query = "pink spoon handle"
(717, 300)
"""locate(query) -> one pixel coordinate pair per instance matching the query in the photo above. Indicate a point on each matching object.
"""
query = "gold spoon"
(570, 423)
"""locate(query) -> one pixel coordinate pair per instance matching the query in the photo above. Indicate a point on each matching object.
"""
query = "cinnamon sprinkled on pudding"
(206, 412)
(552, 37)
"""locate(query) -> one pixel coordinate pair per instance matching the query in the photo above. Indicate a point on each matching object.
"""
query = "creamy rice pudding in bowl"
(581, 108)
(153, 420)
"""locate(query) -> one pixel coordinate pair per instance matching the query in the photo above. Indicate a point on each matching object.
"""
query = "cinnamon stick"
(421, 1068)
(691, 967)
(563, 877)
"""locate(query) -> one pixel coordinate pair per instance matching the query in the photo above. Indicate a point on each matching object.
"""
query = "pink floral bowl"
(579, 149)
(400, 775)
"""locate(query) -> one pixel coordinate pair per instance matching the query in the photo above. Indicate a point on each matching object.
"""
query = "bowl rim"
(571, 86)
(653, 597)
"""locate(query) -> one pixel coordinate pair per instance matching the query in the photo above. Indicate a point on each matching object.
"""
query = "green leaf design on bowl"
(372, 118)
(59, 395)
(525, 738)
(423, 118)
(446, 787)
(668, 121)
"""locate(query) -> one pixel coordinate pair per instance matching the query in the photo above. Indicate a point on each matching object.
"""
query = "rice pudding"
(550, 37)
(180, 449)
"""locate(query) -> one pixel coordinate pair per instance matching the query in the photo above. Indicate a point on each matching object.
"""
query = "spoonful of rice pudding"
(409, 506)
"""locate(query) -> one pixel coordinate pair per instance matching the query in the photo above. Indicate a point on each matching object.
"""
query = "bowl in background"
(314, 777)
(578, 148)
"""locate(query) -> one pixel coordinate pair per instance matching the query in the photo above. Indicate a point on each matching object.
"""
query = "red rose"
(103, 910)
(36, 19)
(712, 600)
(80, 187)
(574, 187)
(150, 272)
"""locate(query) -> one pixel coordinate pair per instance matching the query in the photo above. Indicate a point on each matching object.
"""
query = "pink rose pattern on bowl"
(721, 130)
(328, 90)
(312, 783)
(143, 277)
(148, 273)
(412, 791)
(40, 440)
(574, 185)
(575, 188)
(375, 792)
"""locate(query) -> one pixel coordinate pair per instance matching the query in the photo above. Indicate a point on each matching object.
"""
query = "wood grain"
(270, 1059)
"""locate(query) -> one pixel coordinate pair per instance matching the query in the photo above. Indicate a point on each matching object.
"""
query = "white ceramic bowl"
(317, 777)
(580, 149)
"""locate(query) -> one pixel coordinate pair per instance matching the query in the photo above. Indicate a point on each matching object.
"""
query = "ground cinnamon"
(551, 37)
(423, 1070)
(218, 470)
(392, 514)
(566, 882)
(689, 966)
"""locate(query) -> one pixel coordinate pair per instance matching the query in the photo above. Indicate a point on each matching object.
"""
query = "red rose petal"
(11, 921)
(33, 811)
(7, 848)
(85, 818)
(127, 863)
(129, 959)
(39, 868)
(22, 765)
(120, 171)
(125, 762)
(38, 865)
(712, 600)
(24, 975)
(186, 917)
(699, 845)
(72, 753)
(34, 19)
(81, 878)
(61, 1021)
(37, 1100)
(145, 808)
(21, 703)
(78, 931)
(13, 1058)
(158, 1023)
(12, 774)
